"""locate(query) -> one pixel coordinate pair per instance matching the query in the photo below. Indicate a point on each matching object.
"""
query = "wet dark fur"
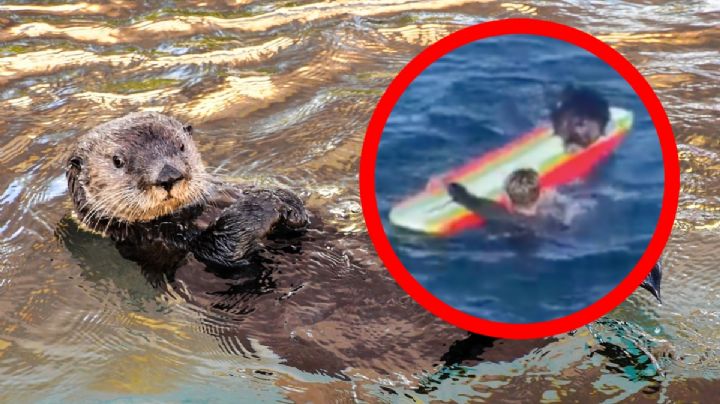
(263, 274)
(321, 301)
(220, 224)
(580, 117)
(251, 257)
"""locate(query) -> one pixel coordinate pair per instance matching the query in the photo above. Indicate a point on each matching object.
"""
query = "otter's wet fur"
(319, 300)
(580, 116)
(312, 295)
(139, 179)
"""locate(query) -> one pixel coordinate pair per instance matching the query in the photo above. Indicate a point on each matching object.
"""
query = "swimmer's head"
(523, 188)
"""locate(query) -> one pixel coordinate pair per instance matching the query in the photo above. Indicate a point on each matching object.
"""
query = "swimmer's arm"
(242, 228)
(486, 208)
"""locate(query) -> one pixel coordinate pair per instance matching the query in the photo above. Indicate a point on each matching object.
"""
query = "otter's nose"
(168, 176)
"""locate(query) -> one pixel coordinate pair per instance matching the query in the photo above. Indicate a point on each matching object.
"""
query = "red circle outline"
(377, 125)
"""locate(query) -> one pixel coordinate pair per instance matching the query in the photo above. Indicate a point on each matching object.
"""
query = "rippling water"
(477, 99)
(281, 92)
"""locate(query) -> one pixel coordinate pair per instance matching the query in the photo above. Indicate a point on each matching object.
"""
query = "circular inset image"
(511, 180)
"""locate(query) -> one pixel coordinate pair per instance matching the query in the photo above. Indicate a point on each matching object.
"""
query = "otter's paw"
(237, 233)
(291, 209)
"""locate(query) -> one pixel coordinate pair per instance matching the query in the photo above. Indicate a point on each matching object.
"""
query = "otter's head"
(581, 115)
(135, 169)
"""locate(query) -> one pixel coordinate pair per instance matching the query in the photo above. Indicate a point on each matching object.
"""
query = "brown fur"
(144, 142)
(139, 179)
(319, 300)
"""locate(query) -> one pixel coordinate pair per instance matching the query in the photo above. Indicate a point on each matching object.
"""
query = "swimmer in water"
(530, 206)
(528, 211)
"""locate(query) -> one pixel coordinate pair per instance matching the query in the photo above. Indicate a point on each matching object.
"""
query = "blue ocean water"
(478, 98)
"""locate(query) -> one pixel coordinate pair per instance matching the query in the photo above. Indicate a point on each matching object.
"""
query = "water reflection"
(280, 93)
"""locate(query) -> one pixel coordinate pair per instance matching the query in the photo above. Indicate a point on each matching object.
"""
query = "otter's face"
(580, 130)
(581, 115)
(135, 169)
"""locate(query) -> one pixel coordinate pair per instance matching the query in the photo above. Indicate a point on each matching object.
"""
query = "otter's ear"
(75, 162)
(188, 129)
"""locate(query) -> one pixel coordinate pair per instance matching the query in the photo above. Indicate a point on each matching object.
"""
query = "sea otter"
(255, 259)
(139, 179)
(580, 117)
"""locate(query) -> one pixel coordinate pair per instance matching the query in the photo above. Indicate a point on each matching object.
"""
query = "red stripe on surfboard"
(477, 163)
(474, 165)
(581, 165)
(577, 167)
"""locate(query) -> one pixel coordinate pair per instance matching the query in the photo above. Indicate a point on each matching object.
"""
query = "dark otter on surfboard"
(580, 117)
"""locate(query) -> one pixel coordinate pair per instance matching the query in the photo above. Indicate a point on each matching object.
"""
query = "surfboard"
(432, 211)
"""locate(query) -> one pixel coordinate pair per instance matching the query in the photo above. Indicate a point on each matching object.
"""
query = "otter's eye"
(118, 162)
(188, 129)
(182, 147)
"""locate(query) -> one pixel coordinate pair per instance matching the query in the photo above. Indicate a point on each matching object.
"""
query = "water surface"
(280, 93)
